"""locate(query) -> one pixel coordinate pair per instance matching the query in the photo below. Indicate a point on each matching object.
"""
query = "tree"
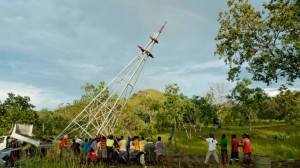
(269, 110)
(179, 109)
(248, 101)
(91, 91)
(147, 108)
(16, 109)
(268, 43)
(50, 123)
(218, 92)
(3, 121)
(190, 116)
(131, 123)
(288, 105)
(207, 110)
(172, 105)
(140, 113)
(172, 109)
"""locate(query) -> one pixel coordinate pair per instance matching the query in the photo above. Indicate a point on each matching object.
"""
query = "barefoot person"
(212, 142)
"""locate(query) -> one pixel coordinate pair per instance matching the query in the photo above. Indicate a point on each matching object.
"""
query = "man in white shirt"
(142, 144)
(123, 151)
(212, 143)
(77, 140)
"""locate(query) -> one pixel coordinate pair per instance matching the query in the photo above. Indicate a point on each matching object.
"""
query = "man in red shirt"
(234, 149)
(63, 147)
(247, 149)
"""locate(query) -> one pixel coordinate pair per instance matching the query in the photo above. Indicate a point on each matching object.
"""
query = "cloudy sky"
(49, 49)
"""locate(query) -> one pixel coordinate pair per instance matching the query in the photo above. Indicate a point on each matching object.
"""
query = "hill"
(153, 94)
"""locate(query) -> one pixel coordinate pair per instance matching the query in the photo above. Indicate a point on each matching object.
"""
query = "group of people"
(212, 142)
(108, 149)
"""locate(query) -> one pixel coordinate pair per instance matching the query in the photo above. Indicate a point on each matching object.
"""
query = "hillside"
(153, 94)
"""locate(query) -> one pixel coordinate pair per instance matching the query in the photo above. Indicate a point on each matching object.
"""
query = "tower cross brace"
(101, 115)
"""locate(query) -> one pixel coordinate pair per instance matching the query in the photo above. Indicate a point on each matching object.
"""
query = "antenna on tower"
(100, 116)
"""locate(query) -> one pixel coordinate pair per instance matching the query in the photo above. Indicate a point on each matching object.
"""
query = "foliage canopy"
(267, 42)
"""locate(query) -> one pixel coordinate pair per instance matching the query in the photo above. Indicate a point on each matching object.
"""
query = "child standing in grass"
(223, 144)
(234, 149)
(212, 142)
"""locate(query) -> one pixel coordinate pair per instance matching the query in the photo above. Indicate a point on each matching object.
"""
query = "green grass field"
(279, 142)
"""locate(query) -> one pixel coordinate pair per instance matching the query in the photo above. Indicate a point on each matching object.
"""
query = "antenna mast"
(102, 113)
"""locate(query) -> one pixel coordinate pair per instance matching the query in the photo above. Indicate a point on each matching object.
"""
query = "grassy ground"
(279, 142)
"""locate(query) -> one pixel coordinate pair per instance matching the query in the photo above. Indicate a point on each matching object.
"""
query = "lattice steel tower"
(101, 114)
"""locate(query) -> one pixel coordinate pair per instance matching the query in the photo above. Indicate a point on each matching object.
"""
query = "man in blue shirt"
(86, 148)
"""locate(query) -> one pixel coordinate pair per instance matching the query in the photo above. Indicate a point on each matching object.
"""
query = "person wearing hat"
(149, 151)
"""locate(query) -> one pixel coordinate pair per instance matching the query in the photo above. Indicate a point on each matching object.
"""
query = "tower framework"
(100, 116)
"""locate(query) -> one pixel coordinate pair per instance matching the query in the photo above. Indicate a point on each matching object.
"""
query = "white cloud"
(271, 91)
(192, 79)
(274, 91)
(80, 70)
(40, 97)
(210, 67)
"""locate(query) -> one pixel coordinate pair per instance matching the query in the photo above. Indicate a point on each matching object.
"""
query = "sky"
(50, 49)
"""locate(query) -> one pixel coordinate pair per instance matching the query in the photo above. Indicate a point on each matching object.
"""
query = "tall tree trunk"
(190, 131)
(186, 131)
(249, 119)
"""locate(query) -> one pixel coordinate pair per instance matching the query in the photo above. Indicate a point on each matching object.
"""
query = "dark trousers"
(234, 156)
(224, 156)
(124, 155)
(110, 152)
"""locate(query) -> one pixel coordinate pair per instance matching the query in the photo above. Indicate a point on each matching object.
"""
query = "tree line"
(150, 111)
